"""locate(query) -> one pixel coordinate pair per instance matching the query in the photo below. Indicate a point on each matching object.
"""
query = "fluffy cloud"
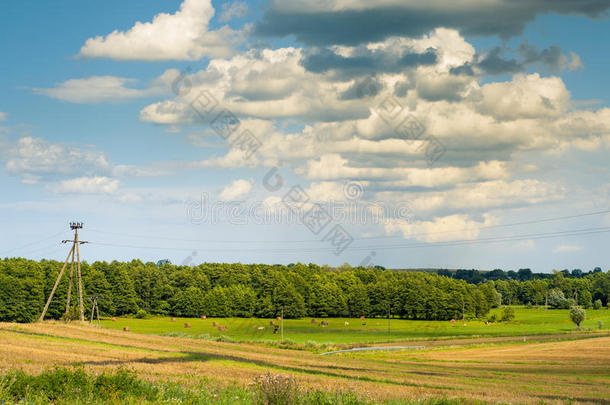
(317, 113)
(34, 159)
(479, 197)
(86, 185)
(236, 9)
(440, 229)
(525, 97)
(183, 35)
(236, 190)
(352, 22)
(102, 89)
(333, 166)
(568, 248)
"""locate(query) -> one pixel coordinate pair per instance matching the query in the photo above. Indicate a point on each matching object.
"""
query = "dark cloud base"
(353, 27)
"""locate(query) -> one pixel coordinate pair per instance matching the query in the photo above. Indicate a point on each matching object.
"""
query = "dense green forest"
(216, 289)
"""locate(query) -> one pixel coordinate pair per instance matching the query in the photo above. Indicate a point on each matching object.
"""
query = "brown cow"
(126, 329)
(323, 323)
(214, 324)
(222, 328)
(187, 325)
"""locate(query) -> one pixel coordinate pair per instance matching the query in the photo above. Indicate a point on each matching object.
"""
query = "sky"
(406, 134)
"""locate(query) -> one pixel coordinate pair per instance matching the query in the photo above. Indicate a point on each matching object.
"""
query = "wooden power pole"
(75, 226)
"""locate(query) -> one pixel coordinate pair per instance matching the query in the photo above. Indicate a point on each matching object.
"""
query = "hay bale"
(346, 323)
(279, 318)
(126, 329)
(187, 325)
(173, 319)
(214, 324)
(314, 320)
(113, 319)
(260, 328)
(203, 317)
(222, 328)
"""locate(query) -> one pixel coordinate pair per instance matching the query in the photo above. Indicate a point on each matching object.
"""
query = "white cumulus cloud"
(86, 185)
(237, 189)
(183, 35)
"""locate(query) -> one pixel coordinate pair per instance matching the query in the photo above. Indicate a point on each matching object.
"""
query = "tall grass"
(76, 386)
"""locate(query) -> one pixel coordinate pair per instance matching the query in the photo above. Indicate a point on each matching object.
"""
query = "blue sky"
(92, 130)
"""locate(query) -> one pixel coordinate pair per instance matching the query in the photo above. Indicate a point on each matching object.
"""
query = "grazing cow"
(323, 323)
(214, 324)
(222, 328)
(314, 321)
(346, 323)
(173, 319)
(275, 325)
(275, 329)
(187, 325)
(271, 323)
(126, 329)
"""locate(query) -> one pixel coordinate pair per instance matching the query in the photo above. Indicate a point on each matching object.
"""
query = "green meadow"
(528, 321)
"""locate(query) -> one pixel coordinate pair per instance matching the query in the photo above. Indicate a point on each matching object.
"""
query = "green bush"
(141, 314)
(508, 314)
(577, 315)
(597, 304)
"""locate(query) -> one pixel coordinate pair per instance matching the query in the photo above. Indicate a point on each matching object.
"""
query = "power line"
(510, 238)
(37, 242)
(360, 238)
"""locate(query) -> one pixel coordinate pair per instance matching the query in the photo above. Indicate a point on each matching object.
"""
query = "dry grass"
(555, 372)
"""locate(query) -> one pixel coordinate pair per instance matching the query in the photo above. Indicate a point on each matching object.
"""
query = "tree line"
(258, 290)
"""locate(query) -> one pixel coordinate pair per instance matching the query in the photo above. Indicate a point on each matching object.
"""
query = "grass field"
(557, 371)
(527, 322)
(464, 364)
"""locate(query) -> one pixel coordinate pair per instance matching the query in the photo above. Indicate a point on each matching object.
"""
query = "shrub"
(600, 325)
(577, 315)
(508, 314)
(141, 314)
(492, 318)
(276, 389)
(556, 298)
(597, 304)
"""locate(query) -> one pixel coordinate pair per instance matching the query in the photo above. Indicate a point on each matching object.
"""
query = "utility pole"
(75, 226)
(95, 307)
